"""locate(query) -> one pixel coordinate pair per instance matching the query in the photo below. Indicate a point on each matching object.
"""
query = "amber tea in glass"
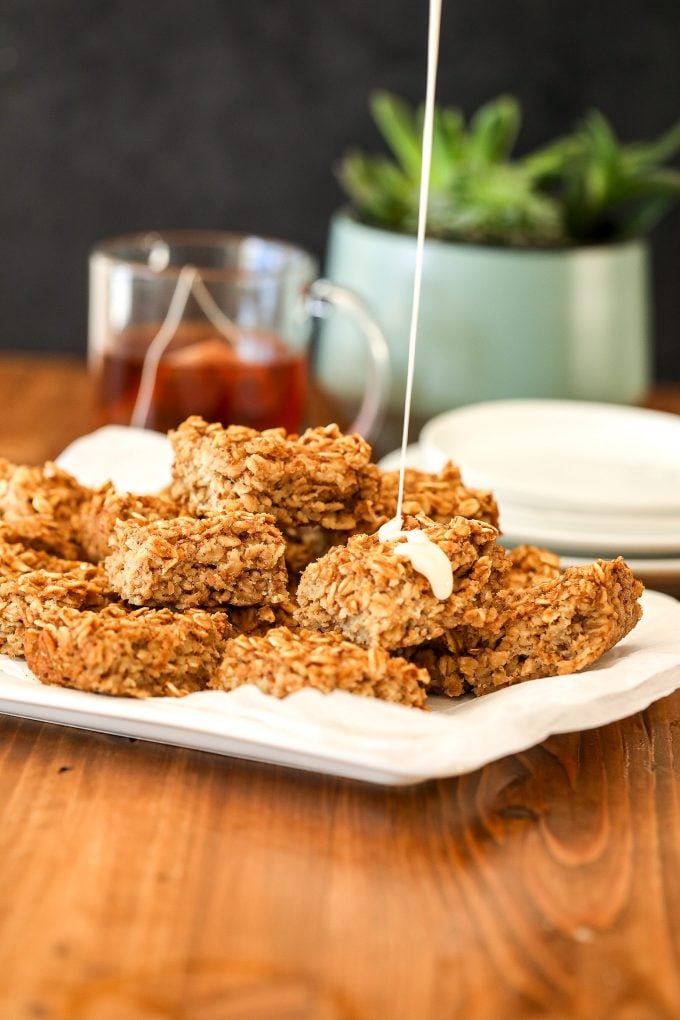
(213, 324)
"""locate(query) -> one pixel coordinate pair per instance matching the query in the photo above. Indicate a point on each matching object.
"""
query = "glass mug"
(215, 324)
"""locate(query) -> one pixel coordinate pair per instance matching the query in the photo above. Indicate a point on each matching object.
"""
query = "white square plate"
(341, 734)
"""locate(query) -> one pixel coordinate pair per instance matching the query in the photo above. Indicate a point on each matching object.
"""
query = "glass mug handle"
(323, 297)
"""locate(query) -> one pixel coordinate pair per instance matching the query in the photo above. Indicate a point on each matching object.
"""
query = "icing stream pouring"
(426, 557)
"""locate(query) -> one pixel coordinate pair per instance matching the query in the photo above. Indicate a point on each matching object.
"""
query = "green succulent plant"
(581, 189)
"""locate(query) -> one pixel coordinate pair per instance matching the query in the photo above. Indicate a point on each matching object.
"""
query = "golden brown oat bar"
(221, 559)
(99, 512)
(31, 580)
(528, 565)
(282, 661)
(437, 496)
(16, 537)
(83, 586)
(556, 627)
(40, 533)
(374, 596)
(523, 567)
(17, 558)
(40, 504)
(440, 497)
(252, 619)
(260, 619)
(321, 477)
(137, 654)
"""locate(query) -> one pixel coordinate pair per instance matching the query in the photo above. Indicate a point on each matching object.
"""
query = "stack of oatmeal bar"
(261, 564)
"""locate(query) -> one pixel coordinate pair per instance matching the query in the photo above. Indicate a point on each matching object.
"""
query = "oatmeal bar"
(31, 580)
(522, 567)
(374, 596)
(252, 619)
(556, 627)
(137, 654)
(41, 505)
(260, 619)
(282, 661)
(101, 509)
(437, 496)
(40, 533)
(15, 536)
(17, 558)
(221, 559)
(321, 477)
(527, 565)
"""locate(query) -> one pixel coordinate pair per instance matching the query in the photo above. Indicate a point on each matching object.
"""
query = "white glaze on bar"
(426, 557)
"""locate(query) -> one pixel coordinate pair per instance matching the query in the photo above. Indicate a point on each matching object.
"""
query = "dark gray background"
(138, 114)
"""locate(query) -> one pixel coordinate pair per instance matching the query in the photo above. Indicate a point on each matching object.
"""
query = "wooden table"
(140, 882)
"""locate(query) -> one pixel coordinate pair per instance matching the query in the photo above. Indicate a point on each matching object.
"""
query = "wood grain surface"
(44, 404)
(140, 882)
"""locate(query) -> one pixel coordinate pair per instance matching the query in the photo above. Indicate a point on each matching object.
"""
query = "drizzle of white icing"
(426, 557)
(391, 530)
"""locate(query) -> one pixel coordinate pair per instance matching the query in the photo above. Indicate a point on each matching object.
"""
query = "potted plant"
(536, 270)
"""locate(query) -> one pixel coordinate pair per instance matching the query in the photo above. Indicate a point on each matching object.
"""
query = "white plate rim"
(518, 531)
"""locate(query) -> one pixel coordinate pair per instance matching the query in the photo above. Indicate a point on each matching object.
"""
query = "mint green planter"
(495, 322)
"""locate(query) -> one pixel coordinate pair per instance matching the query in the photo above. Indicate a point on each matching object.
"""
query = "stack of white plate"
(583, 479)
